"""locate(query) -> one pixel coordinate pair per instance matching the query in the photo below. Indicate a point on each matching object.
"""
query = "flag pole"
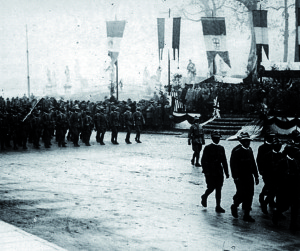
(27, 52)
(117, 78)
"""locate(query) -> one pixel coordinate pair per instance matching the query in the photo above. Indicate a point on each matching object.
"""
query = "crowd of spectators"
(267, 97)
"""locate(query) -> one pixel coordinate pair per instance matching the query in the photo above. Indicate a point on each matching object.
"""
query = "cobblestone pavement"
(129, 197)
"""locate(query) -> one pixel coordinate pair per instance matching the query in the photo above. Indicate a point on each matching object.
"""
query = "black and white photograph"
(150, 125)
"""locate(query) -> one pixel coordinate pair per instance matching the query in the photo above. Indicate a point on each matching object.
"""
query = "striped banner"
(176, 36)
(114, 30)
(260, 23)
(161, 36)
(214, 31)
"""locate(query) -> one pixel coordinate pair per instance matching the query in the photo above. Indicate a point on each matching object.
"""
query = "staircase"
(228, 124)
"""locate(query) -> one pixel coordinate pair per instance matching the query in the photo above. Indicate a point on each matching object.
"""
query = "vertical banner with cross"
(114, 30)
(260, 23)
(214, 31)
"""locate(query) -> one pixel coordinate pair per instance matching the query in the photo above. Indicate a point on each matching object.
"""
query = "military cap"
(196, 118)
(138, 108)
(76, 107)
(215, 134)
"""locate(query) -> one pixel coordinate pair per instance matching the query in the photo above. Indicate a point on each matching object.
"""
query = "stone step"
(229, 123)
(233, 119)
(229, 127)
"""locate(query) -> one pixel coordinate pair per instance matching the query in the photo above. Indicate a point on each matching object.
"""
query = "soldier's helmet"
(76, 107)
(128, 107)
(138, 108)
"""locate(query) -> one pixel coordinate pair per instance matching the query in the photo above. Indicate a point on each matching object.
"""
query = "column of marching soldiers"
(22, 124)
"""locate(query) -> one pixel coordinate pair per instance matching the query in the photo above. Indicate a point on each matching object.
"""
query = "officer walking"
(269, 164)
(263, 149)
(196, 138)
(214, 165)
(243, 168)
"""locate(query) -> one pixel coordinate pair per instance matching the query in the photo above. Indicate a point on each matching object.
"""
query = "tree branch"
(229, 7)
(281, 7)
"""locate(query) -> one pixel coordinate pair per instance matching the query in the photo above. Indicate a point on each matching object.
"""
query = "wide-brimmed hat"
(244, 136)
(215, 134)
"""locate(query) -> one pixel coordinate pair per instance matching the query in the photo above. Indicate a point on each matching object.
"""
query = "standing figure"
(101, 125)
(75, 124)
(138, 121)
(243, 168)
(191, 68)
(61, 127)
(36, 127)
(87, 126)
(114, 123)
(196, 138)
(128, 123)
(267, 170)
(47, 123)
(261, 163)
(214, 164)
(288, 190)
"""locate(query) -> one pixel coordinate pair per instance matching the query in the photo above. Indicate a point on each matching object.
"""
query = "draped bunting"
(214, 31)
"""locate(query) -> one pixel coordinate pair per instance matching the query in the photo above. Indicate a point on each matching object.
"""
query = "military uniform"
(75, 125)
(243, 168)
(61, 128)
(138, 121)
(101, 125)
(87, 127)
(287, 178)
(128, 120)
(214, 164)
(196, 138)
(265, 148)
(114, 123)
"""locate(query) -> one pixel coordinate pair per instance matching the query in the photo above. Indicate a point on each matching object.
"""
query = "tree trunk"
(286, 32)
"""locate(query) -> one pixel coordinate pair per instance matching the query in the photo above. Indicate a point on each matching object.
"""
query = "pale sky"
(73, 33)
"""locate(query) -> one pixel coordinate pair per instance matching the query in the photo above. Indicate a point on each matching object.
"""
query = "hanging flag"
(260, 23)
(176, 36)
(114, 30)
(297, 48)
(161, 36)
(214, 31)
